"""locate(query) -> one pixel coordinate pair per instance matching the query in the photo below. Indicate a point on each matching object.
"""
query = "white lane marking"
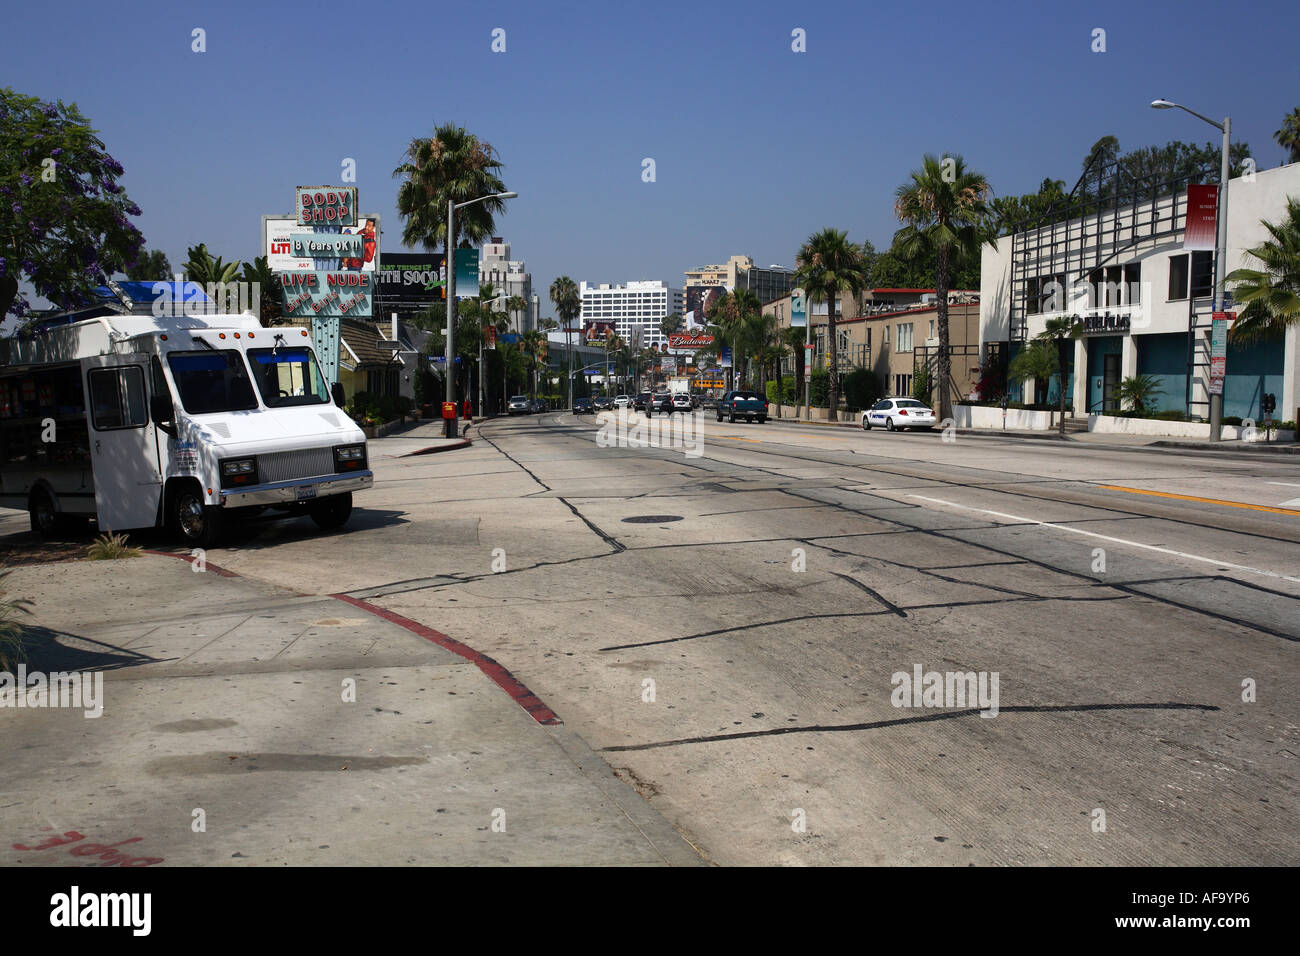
(1106, 537)
(1288, 484)
(1293, 503)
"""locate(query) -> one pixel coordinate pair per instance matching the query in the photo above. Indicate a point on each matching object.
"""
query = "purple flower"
(18, 209)
(56, 151)
(133, 210)
(49, 109)
(26, 178)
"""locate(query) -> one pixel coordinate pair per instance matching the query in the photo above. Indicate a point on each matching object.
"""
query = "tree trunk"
(800, 353)
(834, 353)
(1060, 374)
(945, 359)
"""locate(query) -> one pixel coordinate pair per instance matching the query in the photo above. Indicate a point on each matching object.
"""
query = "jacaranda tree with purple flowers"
(63, 217)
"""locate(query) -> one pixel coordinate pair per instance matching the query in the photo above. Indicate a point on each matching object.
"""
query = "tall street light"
(1221, 241)
(450, 424)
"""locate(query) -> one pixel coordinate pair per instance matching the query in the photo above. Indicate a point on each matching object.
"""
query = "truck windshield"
(212, 381)
(288, 376)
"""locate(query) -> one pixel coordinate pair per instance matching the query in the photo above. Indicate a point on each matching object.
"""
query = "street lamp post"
(449, 424)
(1220, 242)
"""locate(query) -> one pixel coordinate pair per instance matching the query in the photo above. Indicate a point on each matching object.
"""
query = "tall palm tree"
(1271, 296)
(942, 210)
(761, 344)
(827, 266)
(533, 344)
(514, 305)
(1288, 137)
(670, 324)
(568, 302)
(1059, 332)
(452, 165)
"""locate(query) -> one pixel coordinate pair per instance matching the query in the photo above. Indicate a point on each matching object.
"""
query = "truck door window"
(212, 381)
(117, 397)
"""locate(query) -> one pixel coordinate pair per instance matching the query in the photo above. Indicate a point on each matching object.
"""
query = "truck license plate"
(306, 492)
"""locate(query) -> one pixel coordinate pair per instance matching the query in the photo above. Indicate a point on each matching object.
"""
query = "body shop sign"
(327, 206)
(326, 293)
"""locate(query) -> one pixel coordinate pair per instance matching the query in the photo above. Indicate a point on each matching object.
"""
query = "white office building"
(1115, 260)
(510, 277)
(638, 307)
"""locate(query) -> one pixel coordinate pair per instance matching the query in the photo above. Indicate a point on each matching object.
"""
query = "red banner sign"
(1202, 218)
(689, 340)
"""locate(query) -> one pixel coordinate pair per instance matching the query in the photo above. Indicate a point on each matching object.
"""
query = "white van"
(184, 421)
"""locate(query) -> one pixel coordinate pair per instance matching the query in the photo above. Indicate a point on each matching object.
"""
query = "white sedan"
(622, 401)
(896, 414)
(681, 402)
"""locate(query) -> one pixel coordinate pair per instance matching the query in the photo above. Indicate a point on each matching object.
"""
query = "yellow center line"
(756, 441)
(1208, 501)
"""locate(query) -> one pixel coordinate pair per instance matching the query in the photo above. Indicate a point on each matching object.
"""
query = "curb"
(525, 698)
(434, 449)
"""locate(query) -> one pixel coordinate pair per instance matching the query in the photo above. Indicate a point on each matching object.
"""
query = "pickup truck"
(746, 405)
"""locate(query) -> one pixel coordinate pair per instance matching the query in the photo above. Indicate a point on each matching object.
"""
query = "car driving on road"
(583, 406)
(519, 405)
(896, 414)
(623, 401)
(642, 400)
(741, 404)
(661, 402)
(682, 402)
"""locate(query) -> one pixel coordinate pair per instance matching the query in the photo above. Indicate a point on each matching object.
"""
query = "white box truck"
(178, 421)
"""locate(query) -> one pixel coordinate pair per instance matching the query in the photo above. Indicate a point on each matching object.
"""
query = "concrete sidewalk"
(422, 438)
(300, 730)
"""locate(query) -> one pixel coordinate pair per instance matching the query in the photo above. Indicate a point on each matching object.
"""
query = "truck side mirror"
(163, 413)
(336, 393)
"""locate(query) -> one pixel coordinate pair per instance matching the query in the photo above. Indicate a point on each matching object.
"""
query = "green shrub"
(13, 651)
(861, 389)
(109, 547)
(820, 386)
(789, 396)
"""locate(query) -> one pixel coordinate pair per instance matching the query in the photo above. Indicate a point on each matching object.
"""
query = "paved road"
(1120, 613)
(1121, 625)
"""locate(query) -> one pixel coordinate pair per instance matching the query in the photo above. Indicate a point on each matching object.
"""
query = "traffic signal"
(1268, 403)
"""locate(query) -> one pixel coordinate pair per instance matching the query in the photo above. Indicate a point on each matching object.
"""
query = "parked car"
(896, 414)
(623, 401)
(538, 405)
(682, 402)
(584, 406)
(642, 400)
(519, 405)
(746, 405)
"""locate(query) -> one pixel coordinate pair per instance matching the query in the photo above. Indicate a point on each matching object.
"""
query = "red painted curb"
(434, 449)
(507, 681)
(189, 559)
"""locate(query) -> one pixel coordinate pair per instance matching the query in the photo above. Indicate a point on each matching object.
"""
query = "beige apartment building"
(894, 332)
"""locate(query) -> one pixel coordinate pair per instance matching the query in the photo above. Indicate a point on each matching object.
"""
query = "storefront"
(1122, 273)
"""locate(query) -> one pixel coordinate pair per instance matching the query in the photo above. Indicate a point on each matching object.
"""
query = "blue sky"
(755, 146)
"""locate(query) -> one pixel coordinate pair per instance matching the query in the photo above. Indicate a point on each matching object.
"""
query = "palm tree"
(568, 302)
(670, 324)
(514, 305)
(827, 266)
(1058, 333)
(1138, 390)
(1038, 360)
(1271, 295)
(1288, 137)
(762, 344)
(942, 210)
(270, 302)
(452, 165)
(533, 344)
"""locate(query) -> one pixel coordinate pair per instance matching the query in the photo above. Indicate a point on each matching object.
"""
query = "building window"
(932, 328)
(1201, 268)
(884, 335)
(905, 336)
(1133, 282)
(902, 384)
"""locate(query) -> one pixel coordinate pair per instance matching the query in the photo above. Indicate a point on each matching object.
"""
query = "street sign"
(1219, 322)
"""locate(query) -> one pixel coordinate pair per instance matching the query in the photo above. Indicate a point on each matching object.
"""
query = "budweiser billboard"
(689, 340)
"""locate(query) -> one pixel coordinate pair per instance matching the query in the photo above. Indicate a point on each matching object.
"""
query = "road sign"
(1219, 322)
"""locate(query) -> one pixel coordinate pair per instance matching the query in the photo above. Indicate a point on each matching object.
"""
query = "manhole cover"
(652, 519)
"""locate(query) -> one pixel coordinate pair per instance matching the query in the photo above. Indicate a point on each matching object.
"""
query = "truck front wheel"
(332, 512)
(198, 525)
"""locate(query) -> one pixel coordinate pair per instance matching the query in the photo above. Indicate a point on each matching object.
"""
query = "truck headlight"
(238, 471)
(349, 457)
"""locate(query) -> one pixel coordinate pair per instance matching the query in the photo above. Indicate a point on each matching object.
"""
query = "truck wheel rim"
(191, 516)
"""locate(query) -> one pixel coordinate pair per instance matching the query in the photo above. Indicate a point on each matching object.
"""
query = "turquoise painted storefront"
(1165, 357)
(1099, 347)
(1253, 370)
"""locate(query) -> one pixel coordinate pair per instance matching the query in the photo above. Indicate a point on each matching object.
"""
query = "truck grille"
(288, 465)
